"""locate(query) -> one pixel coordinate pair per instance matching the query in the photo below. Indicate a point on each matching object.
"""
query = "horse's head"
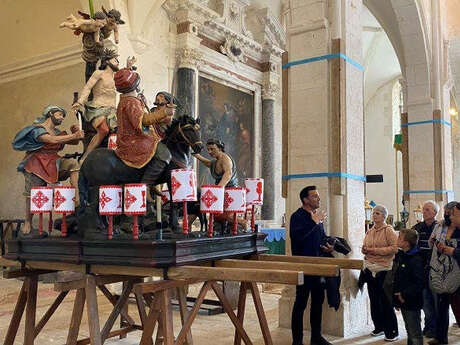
(186, 129)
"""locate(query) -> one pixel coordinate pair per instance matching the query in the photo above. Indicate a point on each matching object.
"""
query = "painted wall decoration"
(227, 114)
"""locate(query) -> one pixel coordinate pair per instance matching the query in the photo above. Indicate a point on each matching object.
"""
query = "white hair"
(382, 209)
(432, 203)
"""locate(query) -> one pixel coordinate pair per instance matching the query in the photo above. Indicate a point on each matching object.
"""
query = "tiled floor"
(206, 329)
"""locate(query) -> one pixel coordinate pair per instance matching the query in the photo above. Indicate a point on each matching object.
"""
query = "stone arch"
(404, 23)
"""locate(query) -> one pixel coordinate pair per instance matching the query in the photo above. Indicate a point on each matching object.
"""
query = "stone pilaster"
(325, 134)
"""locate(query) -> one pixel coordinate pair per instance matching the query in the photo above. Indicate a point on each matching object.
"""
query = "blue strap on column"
(332, 174)
(427, 191)
(443, 122)
(324, 57)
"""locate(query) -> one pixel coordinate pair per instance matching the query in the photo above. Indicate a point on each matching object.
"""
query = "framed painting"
(227, 114)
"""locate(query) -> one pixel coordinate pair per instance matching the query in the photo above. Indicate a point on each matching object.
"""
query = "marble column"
(268, 157)
(186, 90)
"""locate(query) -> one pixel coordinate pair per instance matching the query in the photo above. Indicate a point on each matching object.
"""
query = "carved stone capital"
(270, 90)
(189, 58)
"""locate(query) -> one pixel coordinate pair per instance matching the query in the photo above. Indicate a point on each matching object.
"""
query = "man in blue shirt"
(307, 238)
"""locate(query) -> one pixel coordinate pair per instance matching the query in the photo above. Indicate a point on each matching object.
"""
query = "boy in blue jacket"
(408, 284)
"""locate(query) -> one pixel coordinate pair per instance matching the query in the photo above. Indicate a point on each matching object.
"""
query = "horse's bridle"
(180, 129)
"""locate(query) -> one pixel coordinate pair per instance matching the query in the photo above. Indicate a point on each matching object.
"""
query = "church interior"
(355, 97)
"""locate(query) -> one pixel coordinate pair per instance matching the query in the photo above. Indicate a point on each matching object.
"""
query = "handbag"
(444, 276)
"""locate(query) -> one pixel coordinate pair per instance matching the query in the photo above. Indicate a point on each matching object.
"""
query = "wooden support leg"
(228, 309)
(260, 313)
(77, 313)
(124, 312)
(50, 312)
(17, 316)
(123, 321)
(141, 308)
(241, 310)
(122, 301)
(149, 326)
(182, 296)
(166, 317)
(31, 309)
(92, 310)
(199, 300)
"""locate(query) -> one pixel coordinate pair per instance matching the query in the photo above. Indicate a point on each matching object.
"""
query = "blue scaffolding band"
(325, 57)
(443, 122)
(333, 174)
(427, 191)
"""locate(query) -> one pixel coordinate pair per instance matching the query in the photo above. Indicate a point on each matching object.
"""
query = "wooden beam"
(9, 263)
(237, 274)
(112, 334)
(353, 264)
(55, 266)
(100, 280)
(309, 269)
(158, 285)
(23, 273)
(127, 270)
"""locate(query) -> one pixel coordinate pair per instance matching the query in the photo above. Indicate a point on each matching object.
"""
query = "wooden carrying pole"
(353, 264)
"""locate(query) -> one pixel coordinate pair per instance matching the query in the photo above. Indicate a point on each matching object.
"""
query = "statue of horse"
(103, 167)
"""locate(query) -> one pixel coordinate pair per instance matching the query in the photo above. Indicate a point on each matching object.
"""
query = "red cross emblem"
(191, 182)
(259, 190)
(58, 199)
(119, 200)
(129, 199)
(228, 200)
(104, 199)
(40, 199)
(209, 198)
(175, 184)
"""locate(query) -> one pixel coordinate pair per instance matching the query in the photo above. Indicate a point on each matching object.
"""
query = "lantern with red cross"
(183, 189)
(110, 204)
(112, 141)
(212, 202)
(41, 201)
(135, 203)
(235, 202)
(64, 202)
(254, 195)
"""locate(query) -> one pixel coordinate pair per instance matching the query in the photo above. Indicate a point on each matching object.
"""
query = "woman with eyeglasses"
(379, 249)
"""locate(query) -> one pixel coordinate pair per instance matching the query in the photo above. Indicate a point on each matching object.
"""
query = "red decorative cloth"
(44, 162)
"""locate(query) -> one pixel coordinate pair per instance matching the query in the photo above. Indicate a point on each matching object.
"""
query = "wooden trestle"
(153, 299)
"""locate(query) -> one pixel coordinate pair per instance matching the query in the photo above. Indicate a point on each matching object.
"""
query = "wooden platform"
(143, 253)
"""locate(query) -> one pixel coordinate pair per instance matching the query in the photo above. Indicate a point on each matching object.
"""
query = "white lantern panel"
(41, 199)
(165, 196)
(254, 191)
(183, 185)
(212, 199)
(235, 199)
(112, 142)
(110, 200)
(135, 199)
(64, 199)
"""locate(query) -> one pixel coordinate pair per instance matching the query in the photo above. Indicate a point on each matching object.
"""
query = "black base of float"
(144, 253)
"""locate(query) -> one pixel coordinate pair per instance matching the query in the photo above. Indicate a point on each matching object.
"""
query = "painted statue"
(101, 110)
(42, 165)
(149, 145)
(94, 29)
(223, 170)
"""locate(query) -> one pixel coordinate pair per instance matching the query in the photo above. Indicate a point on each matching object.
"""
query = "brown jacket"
(135, 147)
(384, 241)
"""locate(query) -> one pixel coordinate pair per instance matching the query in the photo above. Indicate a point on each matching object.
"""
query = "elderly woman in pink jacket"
(379, 249)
